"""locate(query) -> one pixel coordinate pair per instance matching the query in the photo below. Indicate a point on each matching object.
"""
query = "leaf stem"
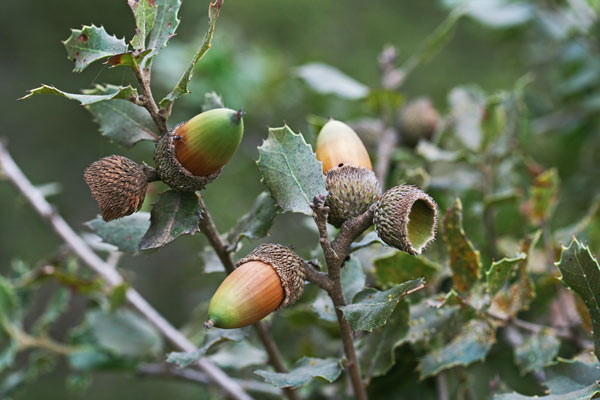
(209, 229)
(11, 171)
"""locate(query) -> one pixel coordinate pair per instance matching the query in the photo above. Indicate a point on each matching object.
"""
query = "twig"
(208, 227)
(441, 386)
(192, 375)
(87, 255)
(320, 213)
(146, 99)
(385, 148)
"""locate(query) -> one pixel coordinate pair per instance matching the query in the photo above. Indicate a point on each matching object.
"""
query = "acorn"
(192, 154)
(268, 279)
(119, 185)
(350, 181)
(406, 218)
(419, 120)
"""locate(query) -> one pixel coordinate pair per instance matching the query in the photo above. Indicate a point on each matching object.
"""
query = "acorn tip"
(237, 117)
(209, 324)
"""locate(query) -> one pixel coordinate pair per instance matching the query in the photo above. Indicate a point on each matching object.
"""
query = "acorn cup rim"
(405, 222)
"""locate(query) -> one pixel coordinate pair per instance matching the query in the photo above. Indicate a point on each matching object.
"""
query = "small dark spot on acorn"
(340, 164)
(82, 38)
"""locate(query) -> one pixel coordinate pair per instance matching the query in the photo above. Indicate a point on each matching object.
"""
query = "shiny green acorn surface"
(208, 141)
(250, 293)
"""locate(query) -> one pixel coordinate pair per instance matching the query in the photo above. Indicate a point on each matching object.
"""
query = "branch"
(146, 99)
(192, 375)
(87, 255)
(320, 212)
(208, 227)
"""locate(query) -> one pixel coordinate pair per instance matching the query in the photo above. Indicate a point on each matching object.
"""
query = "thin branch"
(146, 99)
(192, 375)
(87, 255)
(320, 212)
(441, 386)
(385, 148)
(208, 227)
(320, 279)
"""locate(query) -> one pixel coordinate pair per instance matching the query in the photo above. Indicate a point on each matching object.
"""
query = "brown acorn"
(269, 278)
(350, 180)
(119, 185)
(193, 153)
(406, 218)
(419, 120)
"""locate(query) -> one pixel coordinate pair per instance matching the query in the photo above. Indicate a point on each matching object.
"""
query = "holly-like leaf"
(353, 281)
(128, 59)
(470, 346)
(174, 214)
(500, 271)
(165, 25)
(376, 352)
(303, 371)
(464, 259)
(543, 197)
(290, 170)
(426, 321)
(92, 43)
(213, 337)
(126, 233)
(257, 222)
(400, 267)
(581, 273)
(111, 92)
(238, 355)
(124, 333)
(123, 122)
(325, 79)
(537, 351)
(182, 86)
(144, 12)
(372, 308)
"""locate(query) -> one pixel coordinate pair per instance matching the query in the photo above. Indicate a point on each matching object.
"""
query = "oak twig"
(14, 174)
(208, 227)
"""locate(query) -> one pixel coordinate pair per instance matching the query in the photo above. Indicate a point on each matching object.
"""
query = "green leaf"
(543, 196)
(90, 44)
(587, 393)
(118, 296)
(537, 351)
(211, 101)
(464, 259)
(400, 267)
(129, 59)
(125, 334)
(471, 345)
(165, 25)
(496, 14)
(213, 337)
(144, 12)
(353, 281)
(372, 308)
(303, 371)
(426, 321)
(238, 355)
(376, 352)
(182, 86)
(564, 234)
(290, 170)
(56, 305)
(111, 92)
(325, 79)
(9, 316)
(123, 122)
(581, 273)
(126, 233)
(500, 271)
(467, 107)
(174, 214)
(257, 222)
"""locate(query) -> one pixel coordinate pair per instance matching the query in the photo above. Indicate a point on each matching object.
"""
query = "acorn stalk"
(269, 278)
(406, 218)
(193, 153)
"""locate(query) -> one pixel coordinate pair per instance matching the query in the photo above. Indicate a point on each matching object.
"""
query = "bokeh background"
(256, 47)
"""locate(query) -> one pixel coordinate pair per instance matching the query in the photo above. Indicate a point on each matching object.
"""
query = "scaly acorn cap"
(269, 278)
(352, 190)
(118, 184)
(193, 153)
(406, 218)
(418, 121)
(338, 145)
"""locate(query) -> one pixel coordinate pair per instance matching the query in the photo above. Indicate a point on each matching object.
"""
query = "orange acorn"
(338, 145)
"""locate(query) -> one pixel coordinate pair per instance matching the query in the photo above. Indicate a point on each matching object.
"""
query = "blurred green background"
(256, 46)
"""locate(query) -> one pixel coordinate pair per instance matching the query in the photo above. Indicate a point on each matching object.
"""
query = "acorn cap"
(118, 184)
(352, 190)
(338, 145)
(418, 121)
(406, 218)
(172, 172)
(288, 265)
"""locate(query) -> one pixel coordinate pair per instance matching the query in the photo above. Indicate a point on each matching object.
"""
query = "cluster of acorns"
(272, 276)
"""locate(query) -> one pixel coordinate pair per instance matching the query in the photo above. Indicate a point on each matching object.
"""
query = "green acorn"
(119, 185)
(406, 218)
(419, 120)
(193, 153)
(350, 180)
(269, 278)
